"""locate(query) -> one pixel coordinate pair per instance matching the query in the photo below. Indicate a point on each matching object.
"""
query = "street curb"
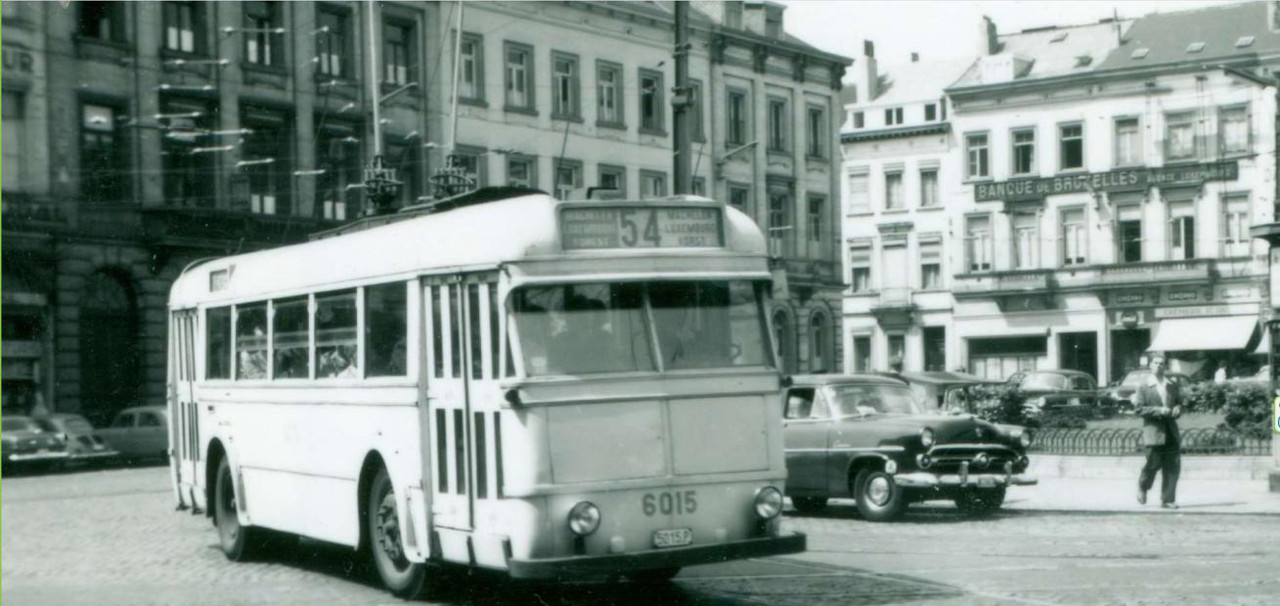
(1154, 512)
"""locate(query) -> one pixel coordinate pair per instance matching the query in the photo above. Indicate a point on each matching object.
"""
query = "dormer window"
(1140, 53)
(1244, 42)
(1084, 61)
(930, 112)
(893, 116)
(1059, 37)
(1195, 47)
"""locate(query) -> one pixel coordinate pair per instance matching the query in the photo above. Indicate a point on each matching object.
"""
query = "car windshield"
(862, 400)
(600, 327)
(77, 424)
(8, 425)
(46, 425)
(1041, 380)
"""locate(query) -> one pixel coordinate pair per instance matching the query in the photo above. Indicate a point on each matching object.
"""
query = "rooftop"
(1053, 51)
(1205, 35)
(916, 81)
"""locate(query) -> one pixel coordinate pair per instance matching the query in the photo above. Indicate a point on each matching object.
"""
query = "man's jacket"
(1159, 418)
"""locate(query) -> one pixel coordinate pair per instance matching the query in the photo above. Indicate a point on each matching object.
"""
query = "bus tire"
(239, 543)
(879, 499)
(403, 578)
(655, 575)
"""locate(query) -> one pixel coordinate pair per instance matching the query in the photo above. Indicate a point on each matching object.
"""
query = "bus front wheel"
(403, 578)
(239, 543)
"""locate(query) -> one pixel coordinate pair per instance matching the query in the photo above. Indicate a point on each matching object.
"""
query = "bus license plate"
(674, 537)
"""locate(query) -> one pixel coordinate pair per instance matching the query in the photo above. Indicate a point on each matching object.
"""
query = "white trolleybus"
(552, 389)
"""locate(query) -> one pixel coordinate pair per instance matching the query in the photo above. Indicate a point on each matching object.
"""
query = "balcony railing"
(1004, 281)
(1155, 271)
(894, 298)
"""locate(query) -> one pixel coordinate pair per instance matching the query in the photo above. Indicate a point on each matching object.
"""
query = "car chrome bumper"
(979, 480)
(35, 456)
(548, 568)
(97, 454)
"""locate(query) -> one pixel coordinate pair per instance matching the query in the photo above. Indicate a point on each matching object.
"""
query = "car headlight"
(584, 518)
(1025, 439)
(768, 503)
(927, 439)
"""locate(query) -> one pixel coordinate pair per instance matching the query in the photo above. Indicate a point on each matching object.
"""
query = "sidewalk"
(1120, 496)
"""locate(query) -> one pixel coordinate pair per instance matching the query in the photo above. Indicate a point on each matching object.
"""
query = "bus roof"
(477, 237)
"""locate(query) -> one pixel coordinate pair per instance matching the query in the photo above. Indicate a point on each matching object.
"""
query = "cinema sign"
(1126, 179)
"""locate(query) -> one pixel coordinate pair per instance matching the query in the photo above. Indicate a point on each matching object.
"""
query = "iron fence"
(1128, 441)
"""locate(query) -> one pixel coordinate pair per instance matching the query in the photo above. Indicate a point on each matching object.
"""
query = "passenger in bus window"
(339, 361)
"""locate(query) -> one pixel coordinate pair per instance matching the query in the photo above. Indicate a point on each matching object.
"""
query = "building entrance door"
(1078, 351)
(1127, 347)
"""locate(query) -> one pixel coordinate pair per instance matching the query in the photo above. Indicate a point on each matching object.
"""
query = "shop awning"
(1214, 333)
(1264, 344)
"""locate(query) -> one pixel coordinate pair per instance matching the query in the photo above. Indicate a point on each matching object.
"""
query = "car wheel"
(879, 499)
(403, 578)
(809, 504)
(656, 575)
(980, 501)
(239, 543)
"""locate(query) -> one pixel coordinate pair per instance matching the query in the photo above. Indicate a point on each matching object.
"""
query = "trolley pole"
(681, 101)
(380, 184)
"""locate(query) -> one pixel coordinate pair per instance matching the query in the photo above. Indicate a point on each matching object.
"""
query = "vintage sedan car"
(940, 390)
(866, 437)
(84, 445)
(141, 432)
(1121, 394)
(1049, 389)
(31, 443)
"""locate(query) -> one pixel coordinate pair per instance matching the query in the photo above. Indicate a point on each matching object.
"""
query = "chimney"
(867, 78)
(987, 39)
(915, 57)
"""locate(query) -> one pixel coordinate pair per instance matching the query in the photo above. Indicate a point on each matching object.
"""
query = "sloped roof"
(1167, 36)
(918, 81)
(1055, 51)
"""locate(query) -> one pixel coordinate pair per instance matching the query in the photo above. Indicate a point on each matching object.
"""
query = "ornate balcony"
(1188, 270)
(894, 307)
(1004, 282)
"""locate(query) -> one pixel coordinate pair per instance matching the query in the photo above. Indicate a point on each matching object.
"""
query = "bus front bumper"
(676, 557)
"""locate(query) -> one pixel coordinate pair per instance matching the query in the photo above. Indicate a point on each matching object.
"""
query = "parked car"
(940, 390)
(83, 442)
(1120, 394)
(868, 438)
(31, 443)
(141, 432)
(1050, 389)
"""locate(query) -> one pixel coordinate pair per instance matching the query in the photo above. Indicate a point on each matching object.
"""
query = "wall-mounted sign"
(1130, 318)
(1129, 298)
(19, 60)
(1237, 292)
(1182, 296)
(1026, 303)
(1116, 180)
(1195, 311)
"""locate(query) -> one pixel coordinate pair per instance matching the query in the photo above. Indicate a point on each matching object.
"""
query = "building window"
(102, 21)
(1233, 124)
(929, 188)
(403, 157)
(652, 109)
(397, 52)
(862, 354)
(773, 22)
(818, 132)
(778, 125)
(978, 244)
(189, 163)
(104, 171)
(568, 178)
(897, 352)
(935, 348)
(817, 208)
(818, 355)
(522, 171)
(14, 132)
(1235, 224)
(519, 73)
(1026, 241)
(473, 162)
(860, 263)
(609, 94)
(564, 86)
(740, 197)
(1075, 243)
(977, 153)
(733, 15)
(859, 193)
(780, 223)
(471, 76)
(1024, 151)
(931, 265)
(614, 178)
(695, 119)
(1180, 139)
(894, 195)
(184, 27)
(930, 112)
(1182, 231)
(338, 155)
(653, 184)
(332, 44)
(737, 115)
(1071, 146)
(263, 36)
(268, 167)
(1129, 233)
(859, 120)
(893, 116)
(1128, 142)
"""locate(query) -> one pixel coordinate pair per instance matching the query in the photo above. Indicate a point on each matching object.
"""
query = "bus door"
(447, 410)
(483, 368)
(184, 424)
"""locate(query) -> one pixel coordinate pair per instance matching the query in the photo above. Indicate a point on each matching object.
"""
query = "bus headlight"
(768, 503)
(584, 518)
(927, 438)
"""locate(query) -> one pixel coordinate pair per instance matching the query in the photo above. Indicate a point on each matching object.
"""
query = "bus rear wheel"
(403, 578)
(239, 543)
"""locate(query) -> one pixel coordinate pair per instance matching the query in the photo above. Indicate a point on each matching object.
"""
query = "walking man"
(1159, 403)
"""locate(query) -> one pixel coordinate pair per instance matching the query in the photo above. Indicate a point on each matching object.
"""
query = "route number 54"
(633, 235)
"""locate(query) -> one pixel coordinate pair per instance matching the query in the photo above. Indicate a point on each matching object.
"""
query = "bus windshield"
(605, 327)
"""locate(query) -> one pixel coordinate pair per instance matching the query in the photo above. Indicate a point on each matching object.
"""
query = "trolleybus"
(551, 389)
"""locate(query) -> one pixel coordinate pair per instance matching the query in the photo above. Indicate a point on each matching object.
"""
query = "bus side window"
(386, 332)
(218, 344)
(335, 323)
(290, 339)
(251, 341)
(435, 300)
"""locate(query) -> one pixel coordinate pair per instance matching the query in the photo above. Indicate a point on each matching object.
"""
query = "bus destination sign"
(641, 227)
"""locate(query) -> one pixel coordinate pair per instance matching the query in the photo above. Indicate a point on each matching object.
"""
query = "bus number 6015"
(668, 503)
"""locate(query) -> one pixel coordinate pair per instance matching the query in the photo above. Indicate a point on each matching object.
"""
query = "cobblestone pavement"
(111, 537)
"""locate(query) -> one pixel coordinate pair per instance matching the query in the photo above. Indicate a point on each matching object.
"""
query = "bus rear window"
(336, 335)
(583, 329)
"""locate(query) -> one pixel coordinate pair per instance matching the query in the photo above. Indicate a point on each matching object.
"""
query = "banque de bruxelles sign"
(1125, 179)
